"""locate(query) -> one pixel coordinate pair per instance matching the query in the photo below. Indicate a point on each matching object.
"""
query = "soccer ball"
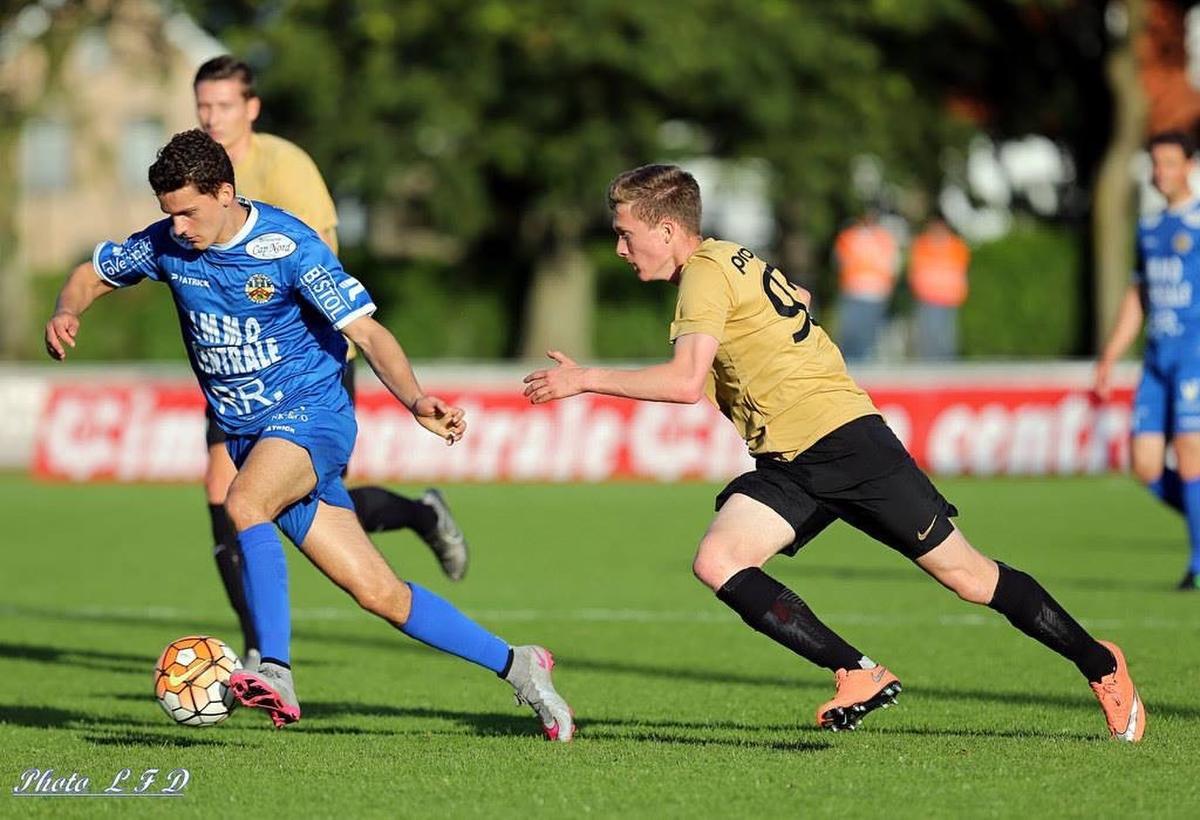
(191, 680)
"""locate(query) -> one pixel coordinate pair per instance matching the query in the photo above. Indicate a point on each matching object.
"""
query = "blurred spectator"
(868, 260)
(937, 275)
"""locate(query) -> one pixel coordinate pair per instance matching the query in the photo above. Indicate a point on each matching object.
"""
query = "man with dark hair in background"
(274, 170)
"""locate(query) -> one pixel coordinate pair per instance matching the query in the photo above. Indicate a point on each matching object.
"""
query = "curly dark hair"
(191, 158)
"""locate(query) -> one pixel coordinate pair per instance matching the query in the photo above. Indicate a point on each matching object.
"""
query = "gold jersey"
(777, 376)
(280, 173)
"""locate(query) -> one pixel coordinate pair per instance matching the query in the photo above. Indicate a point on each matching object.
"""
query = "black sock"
(379, 510)
(229, 565)
(1031, 609)
(774, 610)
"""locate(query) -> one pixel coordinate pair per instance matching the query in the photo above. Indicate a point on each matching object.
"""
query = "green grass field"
(682, 710)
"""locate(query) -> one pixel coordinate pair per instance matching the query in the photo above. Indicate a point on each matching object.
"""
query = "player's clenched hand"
(559, 382)
(440, 418)
(60, 332)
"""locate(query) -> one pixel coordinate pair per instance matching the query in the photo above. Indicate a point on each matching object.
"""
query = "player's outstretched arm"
(681, 380)
(391, 365)
(82, 287)
(1125, 331)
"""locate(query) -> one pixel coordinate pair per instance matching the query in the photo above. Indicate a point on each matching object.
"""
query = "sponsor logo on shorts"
(270, 246)
(260, 289)
(1190, 390)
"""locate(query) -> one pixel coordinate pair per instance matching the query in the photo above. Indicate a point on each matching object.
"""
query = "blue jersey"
(1168, 273)
(260, 314)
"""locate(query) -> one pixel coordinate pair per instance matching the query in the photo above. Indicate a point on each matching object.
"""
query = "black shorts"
(213, 434)
(859, 473)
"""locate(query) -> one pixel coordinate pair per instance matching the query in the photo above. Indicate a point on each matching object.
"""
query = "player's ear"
(226, 194)
(667, 229)
(253, 108)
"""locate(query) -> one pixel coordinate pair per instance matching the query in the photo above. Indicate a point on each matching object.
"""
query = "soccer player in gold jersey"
(276, 171)
(744, 336)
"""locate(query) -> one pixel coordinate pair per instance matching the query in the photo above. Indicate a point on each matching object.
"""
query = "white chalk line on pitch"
(582, 615)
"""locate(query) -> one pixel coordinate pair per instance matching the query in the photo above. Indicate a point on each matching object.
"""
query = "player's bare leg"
(337, 545)
(275, 474)
(976, 578)
(740, 539)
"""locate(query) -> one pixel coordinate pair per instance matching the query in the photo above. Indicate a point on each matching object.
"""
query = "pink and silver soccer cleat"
(269, 688)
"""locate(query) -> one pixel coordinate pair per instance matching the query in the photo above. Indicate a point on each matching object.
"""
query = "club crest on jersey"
(1181, 243)
(1190, 390)
(260, 289)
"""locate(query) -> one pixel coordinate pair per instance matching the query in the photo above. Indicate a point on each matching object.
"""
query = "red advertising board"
(154, 431)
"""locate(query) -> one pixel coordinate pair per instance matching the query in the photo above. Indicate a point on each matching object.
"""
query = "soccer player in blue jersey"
(1165, 295)
(263, 305)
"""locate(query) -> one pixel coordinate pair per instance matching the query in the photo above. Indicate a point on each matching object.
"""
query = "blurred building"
(92, 119)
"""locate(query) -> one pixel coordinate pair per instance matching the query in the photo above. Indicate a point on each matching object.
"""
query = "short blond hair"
(658, 192)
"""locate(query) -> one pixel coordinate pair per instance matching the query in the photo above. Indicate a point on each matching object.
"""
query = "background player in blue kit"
(263, 305)
(1165, 292)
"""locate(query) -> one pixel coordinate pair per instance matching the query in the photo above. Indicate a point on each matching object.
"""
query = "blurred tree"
(498, 123)
(34, 40)
(1113, 205)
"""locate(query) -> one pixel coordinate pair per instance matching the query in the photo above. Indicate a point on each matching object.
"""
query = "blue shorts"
(328, 436)
(1167, 400)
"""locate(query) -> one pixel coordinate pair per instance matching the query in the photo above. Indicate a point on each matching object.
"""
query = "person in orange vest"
(937, 275)
(868, 261)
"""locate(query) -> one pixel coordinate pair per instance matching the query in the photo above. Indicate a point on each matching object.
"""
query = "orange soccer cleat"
(1119, 699)
(859, 692)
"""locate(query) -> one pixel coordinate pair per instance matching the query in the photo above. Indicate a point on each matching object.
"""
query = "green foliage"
(1024, 298)
(432, 312)
(501, 122)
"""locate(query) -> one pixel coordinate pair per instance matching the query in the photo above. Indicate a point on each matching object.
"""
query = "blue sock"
(438, 623)
(1191, 503)
(265, 577)
(1169, 489)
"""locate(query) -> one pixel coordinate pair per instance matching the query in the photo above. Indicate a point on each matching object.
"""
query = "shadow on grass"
(492, 724)
(107, 731)
(1014, 734)
(805, 728)
(1083, 700)
(152, 740)
(85, 658)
